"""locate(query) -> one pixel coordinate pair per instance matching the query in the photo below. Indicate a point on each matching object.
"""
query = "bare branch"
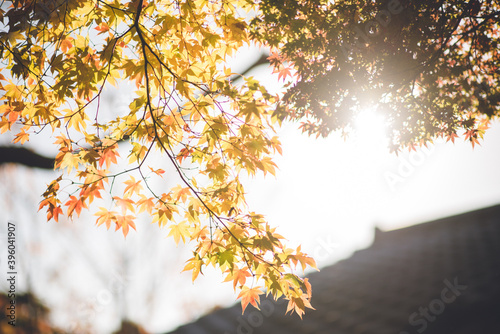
(23, 156)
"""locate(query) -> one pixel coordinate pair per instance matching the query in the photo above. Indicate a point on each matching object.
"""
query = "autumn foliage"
(431, 67)
(58, 57)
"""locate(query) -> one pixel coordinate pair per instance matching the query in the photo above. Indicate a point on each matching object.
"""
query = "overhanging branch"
(23, 156)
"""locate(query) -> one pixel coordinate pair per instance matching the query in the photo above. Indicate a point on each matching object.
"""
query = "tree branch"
(23, 156)
(261, 61)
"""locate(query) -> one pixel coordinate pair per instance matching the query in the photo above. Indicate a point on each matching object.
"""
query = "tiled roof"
(437, 277)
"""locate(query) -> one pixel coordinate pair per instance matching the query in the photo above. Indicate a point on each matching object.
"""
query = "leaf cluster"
(57, 59)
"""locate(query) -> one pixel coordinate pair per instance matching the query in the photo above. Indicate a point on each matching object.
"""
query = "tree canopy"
(431, 67)
(57, 59)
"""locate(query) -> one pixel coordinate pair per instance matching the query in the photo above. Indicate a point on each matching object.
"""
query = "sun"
(370, 128)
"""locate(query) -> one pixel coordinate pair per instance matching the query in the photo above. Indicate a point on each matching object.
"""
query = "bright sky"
(328, 195)
(340, 190)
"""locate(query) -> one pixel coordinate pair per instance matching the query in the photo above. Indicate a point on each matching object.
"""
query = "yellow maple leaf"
(69, 161)
(179, 231)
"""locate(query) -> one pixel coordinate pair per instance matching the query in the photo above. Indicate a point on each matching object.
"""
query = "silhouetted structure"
(440, 277)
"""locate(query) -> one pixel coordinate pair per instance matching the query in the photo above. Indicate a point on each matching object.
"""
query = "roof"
(439, 277)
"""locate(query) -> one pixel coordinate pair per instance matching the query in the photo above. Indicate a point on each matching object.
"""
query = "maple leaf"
(275, 59)
(68, 160)
(179, 231)
(238, 276)
(304, 260)
(284, 72)
(21, 137)
(146, 203)
(226, 258)
(299, 305)
(158, 172)
(66, 44)
(105, 217)
(451, 137)
(124, 222)
(133, 186)
(181, 193)
(472, 136)
(125, 203)
(108, 156)
(184, 153)
(54, 212)
(53, 209)
(250, 296)
(137, 153)
(194, 264)
(75, 204)
(102, 28)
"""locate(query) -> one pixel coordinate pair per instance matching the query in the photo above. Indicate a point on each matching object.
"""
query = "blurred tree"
(63, 265)
(31, 316)
(431, 67)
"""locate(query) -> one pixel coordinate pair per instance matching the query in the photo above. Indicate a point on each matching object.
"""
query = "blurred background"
(329, 195)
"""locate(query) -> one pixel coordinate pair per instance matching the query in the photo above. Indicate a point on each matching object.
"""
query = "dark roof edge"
(437, 223)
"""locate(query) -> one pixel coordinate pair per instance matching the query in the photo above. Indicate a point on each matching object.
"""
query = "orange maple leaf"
(183, 154)
(54, 213)
(108, 156)
(158, 172)
(132, 186)
(284, 72)
(145, 203)
(125, 203)
(250, 296)
(472, 136)
(53, 209)
(451, 136)
(75, 204)
(238, 276)
(102, 28)
(275, 59)
(66, 44)
(21, 137)
(124, 222)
